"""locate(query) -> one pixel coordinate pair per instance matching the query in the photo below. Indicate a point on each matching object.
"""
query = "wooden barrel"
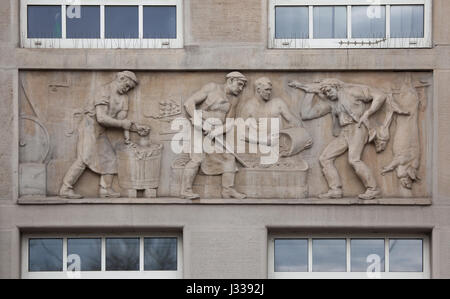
(139, 168)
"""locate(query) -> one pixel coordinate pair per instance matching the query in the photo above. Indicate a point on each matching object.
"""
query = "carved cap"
(129, 75)
(237, 75)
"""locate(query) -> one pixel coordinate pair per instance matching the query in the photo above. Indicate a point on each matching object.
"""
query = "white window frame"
(103, 274)
(426, 274)
(102, 42)
(349, 42)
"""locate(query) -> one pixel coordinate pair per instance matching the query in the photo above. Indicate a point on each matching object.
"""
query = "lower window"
(102, 256)
(349, 256)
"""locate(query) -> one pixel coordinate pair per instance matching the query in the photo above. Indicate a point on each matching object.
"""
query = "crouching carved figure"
(94, 150)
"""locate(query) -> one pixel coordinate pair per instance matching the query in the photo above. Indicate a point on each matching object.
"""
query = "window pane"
(407, 21)
(329, 255)
(160, 22)
(368, 21)
(330, 22)
(122, 254)
(121, 22)
(160, 254)
(44, 21)
(45, 255)
(405, 255)
(291, 22)
(291, 255)
(89, 252)
(362, 250)
(83, 22)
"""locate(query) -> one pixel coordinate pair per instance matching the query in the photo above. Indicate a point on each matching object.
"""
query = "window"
(350, 24)
(348, 256)
(107, 256)
(101, 24)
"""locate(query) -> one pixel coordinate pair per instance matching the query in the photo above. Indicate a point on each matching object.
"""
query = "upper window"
(101, 24)
(348, 256)
(102, 256)
(350, 24)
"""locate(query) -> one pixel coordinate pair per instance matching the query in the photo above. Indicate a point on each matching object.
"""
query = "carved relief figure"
(262, 105)
(215, 101)
(347, 105)
(109, 109)
(406, 147)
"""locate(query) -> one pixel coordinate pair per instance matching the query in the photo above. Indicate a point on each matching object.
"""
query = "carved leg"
(132, 193)
(106, 190)
(227, 186)
(189, 175)
(71, 177)
(150, 193)
(336, 148)
(356, 146)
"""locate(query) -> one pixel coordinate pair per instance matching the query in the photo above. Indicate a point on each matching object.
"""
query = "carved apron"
(94, 147)
(215, 106)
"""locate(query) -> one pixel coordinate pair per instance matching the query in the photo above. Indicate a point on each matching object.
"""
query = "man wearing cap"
(109, 109)
(215, 101)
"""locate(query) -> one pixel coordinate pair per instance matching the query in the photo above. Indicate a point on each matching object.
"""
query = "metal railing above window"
(296, 24)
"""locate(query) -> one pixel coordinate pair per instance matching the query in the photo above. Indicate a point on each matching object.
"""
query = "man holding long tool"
(214, 101)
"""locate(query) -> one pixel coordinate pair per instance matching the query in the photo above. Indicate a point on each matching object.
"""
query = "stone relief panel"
(334, 135)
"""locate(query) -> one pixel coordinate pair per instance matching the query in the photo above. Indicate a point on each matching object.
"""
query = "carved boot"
(227, 187)
(106, 190)
(371, 193)
(332, 194)
(66, 192)
(189, 175)
(71, 177)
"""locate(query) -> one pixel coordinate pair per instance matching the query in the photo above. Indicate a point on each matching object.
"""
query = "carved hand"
(363, 120)
(142, 130)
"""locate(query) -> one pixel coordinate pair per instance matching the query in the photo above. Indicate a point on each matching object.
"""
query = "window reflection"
(122, 254)
(44, 21)
(121, 22)
(84, 25)
(291, 22)
(89, 251)
(160, 22)
(329, 255)
(45, 255)
(405, 255)
(330, 22)
(407, 21)
(361, 250)
(291, 255)
(160, 254)
(368, 21)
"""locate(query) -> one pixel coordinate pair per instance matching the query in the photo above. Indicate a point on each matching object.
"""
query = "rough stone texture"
(225, 21)
(33, 179)
(6, 253)
(441, 23)
(442, 149)
(242, 248)
(7, 156)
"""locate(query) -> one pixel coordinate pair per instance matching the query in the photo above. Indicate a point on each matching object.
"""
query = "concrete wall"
(223, 241)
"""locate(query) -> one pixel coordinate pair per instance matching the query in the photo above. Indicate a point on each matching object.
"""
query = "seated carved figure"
(263, 105)
(94, 150)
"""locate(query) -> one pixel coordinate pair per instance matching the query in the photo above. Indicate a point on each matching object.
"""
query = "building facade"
(96, 95)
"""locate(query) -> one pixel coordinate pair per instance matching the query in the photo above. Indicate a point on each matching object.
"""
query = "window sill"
(31, 200)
